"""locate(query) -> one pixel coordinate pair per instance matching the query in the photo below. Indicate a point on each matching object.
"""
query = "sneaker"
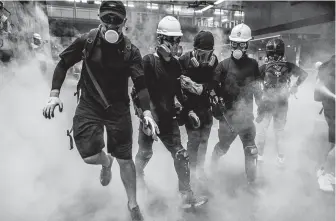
(260, 158)
(331, 178)
(106, 173)
(189, 200)
(281, 162)
(136, 214)
(320, 172)
(194, 120)
(325, 184)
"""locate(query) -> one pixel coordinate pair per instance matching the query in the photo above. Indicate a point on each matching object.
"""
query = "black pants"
(329, 114)
(171, 138)
(245, 128)
(198, 139)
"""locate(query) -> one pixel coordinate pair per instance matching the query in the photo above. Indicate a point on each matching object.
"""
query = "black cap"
(204, 40)
(112, 7)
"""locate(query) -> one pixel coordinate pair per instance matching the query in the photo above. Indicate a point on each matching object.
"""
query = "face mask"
(111, 30)
(203, 58)
(238, 49)
(167, 50)
(237, 54)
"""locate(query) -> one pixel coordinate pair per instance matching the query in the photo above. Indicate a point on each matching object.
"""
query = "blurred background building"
(307, 27)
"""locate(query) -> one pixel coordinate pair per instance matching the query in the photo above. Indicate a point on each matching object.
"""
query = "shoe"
(281, 162)
(189, 200)
(136, 214)
(320, 172)
(106, 173)
(325, 184)
(331, 178)
(194, 120)
(260, 158)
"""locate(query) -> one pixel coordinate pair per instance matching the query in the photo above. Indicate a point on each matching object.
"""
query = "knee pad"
(251, 151)
(182, 155)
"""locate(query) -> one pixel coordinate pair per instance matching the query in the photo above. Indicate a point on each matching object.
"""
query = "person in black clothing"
(162, 71)
(276, 84)
(325, 93)
(198, 67)
(238, 77)
(112, 60)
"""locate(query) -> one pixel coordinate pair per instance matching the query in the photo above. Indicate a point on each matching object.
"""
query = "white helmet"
(169, 26)
(37, 36)
(240, 33)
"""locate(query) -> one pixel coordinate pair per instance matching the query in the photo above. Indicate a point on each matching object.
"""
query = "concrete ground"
(43, 181)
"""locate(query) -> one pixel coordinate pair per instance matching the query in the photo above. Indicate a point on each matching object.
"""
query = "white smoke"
(43, 180)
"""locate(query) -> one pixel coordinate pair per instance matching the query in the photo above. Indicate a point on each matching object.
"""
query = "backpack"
(276, 75)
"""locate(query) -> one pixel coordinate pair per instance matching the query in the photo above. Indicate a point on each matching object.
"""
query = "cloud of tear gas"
(43, 180)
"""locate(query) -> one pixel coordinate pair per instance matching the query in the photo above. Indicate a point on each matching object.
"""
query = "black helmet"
(275, 48)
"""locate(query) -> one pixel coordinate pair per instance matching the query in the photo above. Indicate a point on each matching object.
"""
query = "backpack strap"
(89, 45)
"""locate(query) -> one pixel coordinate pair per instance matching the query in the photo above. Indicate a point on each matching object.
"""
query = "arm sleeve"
(214, 80)
(257, 85)
(139, 80)
(298, 72)
(70, 56)
(219, 73)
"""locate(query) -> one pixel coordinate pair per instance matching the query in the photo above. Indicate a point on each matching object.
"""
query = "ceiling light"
(218, 2)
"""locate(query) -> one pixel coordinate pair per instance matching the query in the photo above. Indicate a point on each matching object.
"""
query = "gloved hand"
(177, 105)
(48, 110)
(150, 128)
(190, 85)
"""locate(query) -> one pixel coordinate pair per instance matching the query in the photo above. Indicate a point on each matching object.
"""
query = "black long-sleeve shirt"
(204, 75)
(110, 69)
(238, 81)
(163, 85)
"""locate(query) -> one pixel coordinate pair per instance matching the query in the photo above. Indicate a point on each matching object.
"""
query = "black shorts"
(89, 136)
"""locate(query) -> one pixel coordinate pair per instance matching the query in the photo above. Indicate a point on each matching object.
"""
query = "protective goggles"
(172, 39)
(203, 53)
(238, 44)
(111, 19)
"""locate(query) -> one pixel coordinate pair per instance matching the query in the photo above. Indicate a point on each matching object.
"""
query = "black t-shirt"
(163, 84)
(205, 75)
(109, 68)
(238, 79)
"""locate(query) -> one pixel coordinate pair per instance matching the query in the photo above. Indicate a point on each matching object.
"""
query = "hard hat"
(318, 64)
(240, 33)
(169, 26)
(37, 36)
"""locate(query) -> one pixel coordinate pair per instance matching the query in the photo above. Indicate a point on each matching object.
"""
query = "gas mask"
(111, 27)
(238, 49)
(169, 47)
(203, 58)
